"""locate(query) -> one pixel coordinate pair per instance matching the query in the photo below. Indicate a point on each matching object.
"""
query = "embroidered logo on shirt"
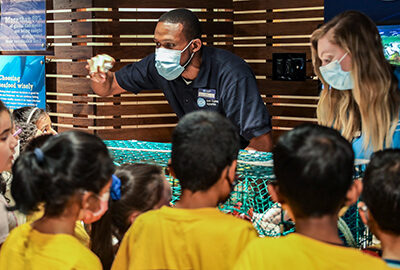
(201, 102)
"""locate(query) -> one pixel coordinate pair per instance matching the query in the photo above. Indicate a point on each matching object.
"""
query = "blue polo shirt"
(225, 84)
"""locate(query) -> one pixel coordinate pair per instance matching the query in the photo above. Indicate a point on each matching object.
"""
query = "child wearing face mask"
(194, 234)
(7, 146)
(361, 96)
(138, 189)
(71, 175)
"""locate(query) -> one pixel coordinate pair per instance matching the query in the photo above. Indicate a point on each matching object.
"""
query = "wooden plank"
(292, 111)
(292, 28)
(63, 4)
(74, 28)
(274, 4)
(78, 109)
(82, 121)
(69, 85)
(250, 29)
(63, 129)
(290, 123)
(73, 52)
(295, 14)
(128, 28)
(164, 4)
(291, 100)
(142, 134)
(265, 53)
(275, 29)
(134, 109)
(80, 15)
(301, 88)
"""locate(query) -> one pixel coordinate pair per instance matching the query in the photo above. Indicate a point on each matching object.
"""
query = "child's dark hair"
(51, 174)
(203, 144)
(313, 166)
(381, 189)
(3, 183)
(37, 142)
(142, 187)
(26, 118)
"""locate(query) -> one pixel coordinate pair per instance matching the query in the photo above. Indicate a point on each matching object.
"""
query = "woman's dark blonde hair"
(372, 106)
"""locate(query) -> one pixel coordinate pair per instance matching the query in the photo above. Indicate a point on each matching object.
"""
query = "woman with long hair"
(360, 97)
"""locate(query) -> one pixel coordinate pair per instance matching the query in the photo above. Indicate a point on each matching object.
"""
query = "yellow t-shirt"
(80, 231)
(296, 251)
(175, 238)
(26, 248)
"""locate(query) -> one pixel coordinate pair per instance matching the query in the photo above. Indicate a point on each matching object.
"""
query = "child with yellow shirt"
(381, 207)
(313, 166)
(71, 175)
(194, 234)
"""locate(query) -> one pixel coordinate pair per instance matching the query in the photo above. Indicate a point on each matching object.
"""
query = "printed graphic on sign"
(23, 25)
(22, 81)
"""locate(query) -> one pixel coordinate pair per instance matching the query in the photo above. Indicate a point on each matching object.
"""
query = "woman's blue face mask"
(334, 75)
(168, 62)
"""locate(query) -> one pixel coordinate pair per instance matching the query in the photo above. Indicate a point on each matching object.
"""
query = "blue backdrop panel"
(22, 81)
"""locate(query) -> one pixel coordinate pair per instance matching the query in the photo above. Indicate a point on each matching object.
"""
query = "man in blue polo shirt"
(195, 77)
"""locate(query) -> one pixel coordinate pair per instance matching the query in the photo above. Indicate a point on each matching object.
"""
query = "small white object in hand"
(102, 61)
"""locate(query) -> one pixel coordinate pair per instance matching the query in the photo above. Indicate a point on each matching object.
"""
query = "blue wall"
(378, 10)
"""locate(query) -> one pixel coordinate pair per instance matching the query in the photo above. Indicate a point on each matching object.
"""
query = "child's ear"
(133, 216)
(170, 169)
(353, 193)
(273, 191)
(363, 211)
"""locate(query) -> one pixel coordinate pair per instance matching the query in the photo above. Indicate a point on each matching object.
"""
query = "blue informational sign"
(23, 25)
(22, 81)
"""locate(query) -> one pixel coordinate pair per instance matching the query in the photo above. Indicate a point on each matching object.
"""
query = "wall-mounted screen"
(390, 35)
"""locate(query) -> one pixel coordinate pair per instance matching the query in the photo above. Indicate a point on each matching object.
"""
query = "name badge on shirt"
(206, 97)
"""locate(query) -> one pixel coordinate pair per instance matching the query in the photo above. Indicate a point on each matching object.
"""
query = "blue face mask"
(168, 62)
(334, 75)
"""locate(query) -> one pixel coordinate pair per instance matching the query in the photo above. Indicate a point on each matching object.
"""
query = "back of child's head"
(37, 142)
(143, 187)
(381, 189)
(203, 144)
(313, 166)
(67, 163)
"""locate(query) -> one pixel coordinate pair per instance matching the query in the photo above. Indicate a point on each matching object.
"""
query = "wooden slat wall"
(78, 30)
(264, 27)
(253, 29)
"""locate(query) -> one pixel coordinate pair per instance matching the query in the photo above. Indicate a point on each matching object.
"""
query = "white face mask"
(334, 75)
(168, 62)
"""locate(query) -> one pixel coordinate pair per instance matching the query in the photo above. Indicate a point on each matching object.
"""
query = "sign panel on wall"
(23, 25)
(22, 81)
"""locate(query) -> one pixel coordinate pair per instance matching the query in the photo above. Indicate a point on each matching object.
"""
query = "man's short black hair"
(203, 144)
(190, 22)
(313, 166)
(381, 189)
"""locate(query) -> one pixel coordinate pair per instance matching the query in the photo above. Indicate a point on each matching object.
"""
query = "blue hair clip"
(115, 191)
(39, 154)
